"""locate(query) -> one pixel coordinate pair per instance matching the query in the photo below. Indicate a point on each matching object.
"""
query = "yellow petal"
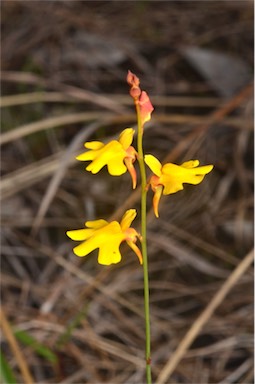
(154, 164)
(127, 219)
(96, 224)
(86, 247)
(80, 234)
(109, 248)
(109, 251)
(86, 156)
(115, 166)
(173, 176)
(99, 237)
(112, 228)
(172, 186)
(126, 137)
(111, 152)
(190, 164)
(95, 166)
(94, 145)
(205, 169)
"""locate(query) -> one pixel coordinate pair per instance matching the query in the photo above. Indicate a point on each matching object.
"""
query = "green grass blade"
(39, 348)
(6, 373)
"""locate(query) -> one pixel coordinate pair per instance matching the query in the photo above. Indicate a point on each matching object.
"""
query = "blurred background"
(64, 67)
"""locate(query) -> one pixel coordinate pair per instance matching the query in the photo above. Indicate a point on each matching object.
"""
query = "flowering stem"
(144, 243)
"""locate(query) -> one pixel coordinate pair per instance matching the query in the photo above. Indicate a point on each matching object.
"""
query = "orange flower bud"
(134, 82)
(146, 107)
(132, 79)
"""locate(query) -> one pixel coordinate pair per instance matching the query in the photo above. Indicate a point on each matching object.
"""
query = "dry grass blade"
(34, 97)
(15, 348)
(185, 255)
(29, 175)
(176, 101)
(51, 122)
(215, 117)
(204, 317)
(69, 90)
(240, 371)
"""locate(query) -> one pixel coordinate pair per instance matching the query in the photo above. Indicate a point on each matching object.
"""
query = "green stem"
(144, 244)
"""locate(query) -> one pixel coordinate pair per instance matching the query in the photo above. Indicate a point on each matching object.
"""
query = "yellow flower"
(118, 155)
(169, 178)
(107, 237)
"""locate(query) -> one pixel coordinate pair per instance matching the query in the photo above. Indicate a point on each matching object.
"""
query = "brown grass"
(200, 249)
